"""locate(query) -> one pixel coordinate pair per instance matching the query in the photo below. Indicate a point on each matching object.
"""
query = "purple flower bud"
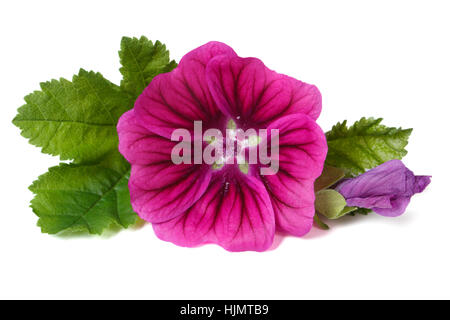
(386, 189)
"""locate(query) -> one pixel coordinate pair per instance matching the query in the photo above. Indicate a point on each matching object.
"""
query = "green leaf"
(74, 197)
(141, 61)
(75, 120)
(330, 203)
(364, 145)
(330, 175)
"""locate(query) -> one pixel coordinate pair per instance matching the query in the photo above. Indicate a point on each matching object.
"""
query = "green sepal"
(330, 175)
(319, 223)
(330, 203)
(361, 211)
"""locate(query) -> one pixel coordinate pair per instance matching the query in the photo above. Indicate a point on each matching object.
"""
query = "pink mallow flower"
(195, 204)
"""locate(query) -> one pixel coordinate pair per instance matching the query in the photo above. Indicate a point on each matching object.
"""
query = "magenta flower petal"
(235, 213)
(159, 189)
(174, 100)
(191, 205)
(254, 95)
(386, 189)
(302, 151)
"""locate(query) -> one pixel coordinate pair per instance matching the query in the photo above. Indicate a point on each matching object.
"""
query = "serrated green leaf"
(141, 61)
(74, 197)
(364, 145)
(75, 120)
(330, 203)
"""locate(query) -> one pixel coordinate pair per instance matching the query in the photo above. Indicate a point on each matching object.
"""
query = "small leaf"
(330, 175)
(141, 61)
(75, 120)
(73, 197)
(364, 145)
(319, 223)
(330, 203)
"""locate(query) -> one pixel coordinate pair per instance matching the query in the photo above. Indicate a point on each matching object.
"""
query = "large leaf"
(364, 145)
(141, 61)
(73, 197)
(75, 120)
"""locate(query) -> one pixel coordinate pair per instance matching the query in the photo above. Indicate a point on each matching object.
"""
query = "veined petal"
(389, 178)
(255, 96)
(176, 99)
(302, 151)
(383, 201)
(159, 189)
(386, 189)
(235, 213)
(397, 207)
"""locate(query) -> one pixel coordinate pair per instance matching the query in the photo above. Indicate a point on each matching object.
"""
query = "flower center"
(235, 145)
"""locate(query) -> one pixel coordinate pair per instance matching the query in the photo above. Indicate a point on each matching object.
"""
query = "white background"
(386, 59)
